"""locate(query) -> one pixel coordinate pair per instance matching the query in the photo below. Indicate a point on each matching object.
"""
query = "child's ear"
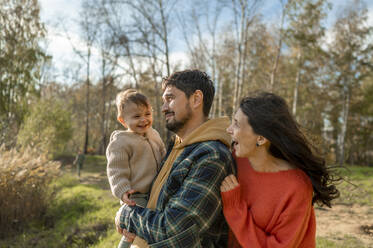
(121, 120)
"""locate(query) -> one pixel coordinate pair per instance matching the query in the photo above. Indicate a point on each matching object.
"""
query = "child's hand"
(126, 197)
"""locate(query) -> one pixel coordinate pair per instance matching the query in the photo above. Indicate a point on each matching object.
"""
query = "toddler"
(133, 156)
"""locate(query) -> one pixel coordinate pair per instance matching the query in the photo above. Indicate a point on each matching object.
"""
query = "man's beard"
(175, 126)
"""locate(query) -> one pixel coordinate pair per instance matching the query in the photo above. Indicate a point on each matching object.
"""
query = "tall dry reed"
(24, 191)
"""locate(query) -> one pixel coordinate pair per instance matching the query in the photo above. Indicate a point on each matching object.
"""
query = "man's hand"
(129, 236)
(126, 197)
(229, 183)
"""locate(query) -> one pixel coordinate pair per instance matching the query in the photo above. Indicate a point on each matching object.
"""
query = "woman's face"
(243, 137)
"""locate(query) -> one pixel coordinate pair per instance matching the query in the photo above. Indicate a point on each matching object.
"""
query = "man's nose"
(164, 107)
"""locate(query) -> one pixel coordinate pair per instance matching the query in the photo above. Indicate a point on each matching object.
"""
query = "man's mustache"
(169, 112)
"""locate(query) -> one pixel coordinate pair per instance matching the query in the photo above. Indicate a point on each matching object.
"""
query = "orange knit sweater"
(270, 209)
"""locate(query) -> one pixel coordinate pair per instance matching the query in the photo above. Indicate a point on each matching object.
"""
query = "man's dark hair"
(189, 81)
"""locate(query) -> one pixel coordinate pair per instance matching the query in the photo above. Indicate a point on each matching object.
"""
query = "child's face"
(138, 118)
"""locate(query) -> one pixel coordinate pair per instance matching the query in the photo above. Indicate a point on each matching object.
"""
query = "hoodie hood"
(214, 129)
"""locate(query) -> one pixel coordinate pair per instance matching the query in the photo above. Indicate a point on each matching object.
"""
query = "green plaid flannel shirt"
(189, 207)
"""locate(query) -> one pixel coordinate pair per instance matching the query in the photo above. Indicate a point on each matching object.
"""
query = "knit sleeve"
(289, 231)
(118, 167)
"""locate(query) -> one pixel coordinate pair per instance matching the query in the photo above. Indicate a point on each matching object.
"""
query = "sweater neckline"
(270, 173)
(146, 137)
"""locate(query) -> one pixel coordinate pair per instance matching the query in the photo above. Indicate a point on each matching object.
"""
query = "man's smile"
(169, 114)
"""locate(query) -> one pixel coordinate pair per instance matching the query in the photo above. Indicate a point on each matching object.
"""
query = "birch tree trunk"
(132, 66)
(342, 138)
(297, 82)
(246, 14)
(86, 139)
(244, 59)
(220, 99)
(238, 65)
(153, 63)
(165, 36)
(103, 113)
(278, 51)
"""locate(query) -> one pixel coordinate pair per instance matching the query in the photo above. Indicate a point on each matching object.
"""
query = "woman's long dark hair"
(269, 116)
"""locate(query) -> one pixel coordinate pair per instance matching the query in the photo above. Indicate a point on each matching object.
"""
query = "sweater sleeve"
(118, 168)
(289, 229)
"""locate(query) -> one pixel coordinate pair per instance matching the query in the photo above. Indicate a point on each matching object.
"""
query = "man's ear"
(197, 99)
(121, 120)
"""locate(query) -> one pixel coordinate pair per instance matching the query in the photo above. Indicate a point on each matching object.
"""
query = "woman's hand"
(229, 183)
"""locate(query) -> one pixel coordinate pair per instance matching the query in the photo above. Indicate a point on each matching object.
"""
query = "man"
(184, 208)
(79, 161)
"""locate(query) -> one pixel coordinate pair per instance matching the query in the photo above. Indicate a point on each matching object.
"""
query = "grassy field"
(82, 213)
(349, 223)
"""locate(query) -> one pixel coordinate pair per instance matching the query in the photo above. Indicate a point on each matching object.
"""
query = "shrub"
(47, 127)
(24, 192)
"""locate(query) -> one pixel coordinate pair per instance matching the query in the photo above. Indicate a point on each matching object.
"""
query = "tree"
(109, 52)
(359, 139)
(244, 13)
(205, 26)
(303, 36)
(21, 60)
(144, 35)
(88, 32)
(279, 46)
(351, 62)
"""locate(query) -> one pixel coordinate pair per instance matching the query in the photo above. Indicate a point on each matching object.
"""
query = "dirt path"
(91, 176)
(343, 221)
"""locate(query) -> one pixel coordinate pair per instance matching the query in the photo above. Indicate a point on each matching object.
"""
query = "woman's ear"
(121, 120)
(261, 141)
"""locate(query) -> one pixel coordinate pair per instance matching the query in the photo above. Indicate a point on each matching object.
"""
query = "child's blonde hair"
(127, 96)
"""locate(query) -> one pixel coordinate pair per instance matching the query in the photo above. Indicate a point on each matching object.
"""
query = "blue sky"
(53, 11)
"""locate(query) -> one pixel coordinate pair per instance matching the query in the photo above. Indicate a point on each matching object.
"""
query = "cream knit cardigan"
(133, 160)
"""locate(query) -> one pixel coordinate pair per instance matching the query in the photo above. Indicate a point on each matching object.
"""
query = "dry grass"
(349, 223)
(24, 192)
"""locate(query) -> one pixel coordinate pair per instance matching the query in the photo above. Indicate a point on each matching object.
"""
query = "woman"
(279, 178)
